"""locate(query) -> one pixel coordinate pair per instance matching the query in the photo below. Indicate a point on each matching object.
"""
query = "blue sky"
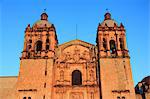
(65, 14)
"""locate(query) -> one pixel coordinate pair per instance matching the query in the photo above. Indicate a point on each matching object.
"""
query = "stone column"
(25, 45)
(33, 41)
(24, 53)
(118, 45)
(101, 42)
(43, 43)
(125, 43)
(108, 46)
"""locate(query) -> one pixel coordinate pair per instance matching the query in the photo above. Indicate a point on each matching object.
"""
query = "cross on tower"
(107, 9)
(45, 10)
(76, 31)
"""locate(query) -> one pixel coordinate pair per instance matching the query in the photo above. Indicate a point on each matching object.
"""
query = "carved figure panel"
(91, 75)
(61, 75)
(76, 95)
(76, 52)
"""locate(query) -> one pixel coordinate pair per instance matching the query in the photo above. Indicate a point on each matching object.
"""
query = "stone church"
(75, 69)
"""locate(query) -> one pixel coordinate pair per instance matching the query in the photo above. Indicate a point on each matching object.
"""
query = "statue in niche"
(85, 55)
(92, 95)
(67, 56)
(61, 75)
(93, 53)
(64, 57)
(91, 75)
(76, 55)
(75, 96)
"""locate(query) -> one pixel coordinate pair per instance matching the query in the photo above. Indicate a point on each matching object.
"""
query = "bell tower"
(40, 39)
(37, 60)
(114, 61)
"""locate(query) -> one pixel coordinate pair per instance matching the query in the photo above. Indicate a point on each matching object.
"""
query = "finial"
(76, 31)
(107, 15)
(106, 25)
(44, 16)
(121, 25)
(107, 10)
(115, 25)
(28, 25)
(45, 10)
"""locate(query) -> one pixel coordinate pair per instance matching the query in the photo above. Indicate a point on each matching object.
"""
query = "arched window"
(118, 97)
(61, 75)
(47, 40)
(112, 46)
(44, 85)
(28, 54)
(123, 97)
(29, 97)
(91, 74)
(76, 77)
(47, 47)
(29, 44)
(47, 44)
(121, 43)
(29, 47)
(38, 46)
(24, 98)
(104, 43)
(30, 41)
(44, 97)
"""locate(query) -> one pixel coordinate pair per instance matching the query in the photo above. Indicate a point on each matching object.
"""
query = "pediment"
(76, 42)
(75, 51)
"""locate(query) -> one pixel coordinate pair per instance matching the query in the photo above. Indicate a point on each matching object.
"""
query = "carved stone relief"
(76, 54)
(91, 75)
(76, 95)
(92, 95)
(74, 57)
(61, 75)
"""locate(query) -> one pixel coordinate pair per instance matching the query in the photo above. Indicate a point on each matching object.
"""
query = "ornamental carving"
(91, 75)
(75, 56)
(76, 95)
(76, 52)
(61, 75)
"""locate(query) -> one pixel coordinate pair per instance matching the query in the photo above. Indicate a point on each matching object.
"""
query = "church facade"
(75, 69)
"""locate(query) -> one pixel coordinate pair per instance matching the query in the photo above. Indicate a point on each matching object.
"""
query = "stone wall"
(7, 87)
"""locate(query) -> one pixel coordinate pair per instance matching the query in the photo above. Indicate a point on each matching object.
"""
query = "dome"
(109, 23)
(146, 80)
(107, 16)
(42, 23)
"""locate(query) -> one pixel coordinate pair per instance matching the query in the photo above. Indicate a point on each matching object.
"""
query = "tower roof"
(43, 22)
(108, 21)
(44, 16)
(107, 16)
(146, 80)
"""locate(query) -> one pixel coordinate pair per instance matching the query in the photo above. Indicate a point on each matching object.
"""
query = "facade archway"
(76, 77)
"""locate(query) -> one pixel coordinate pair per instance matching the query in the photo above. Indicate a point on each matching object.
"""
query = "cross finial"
(76, 31)
(107, 9)
(45, 10)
